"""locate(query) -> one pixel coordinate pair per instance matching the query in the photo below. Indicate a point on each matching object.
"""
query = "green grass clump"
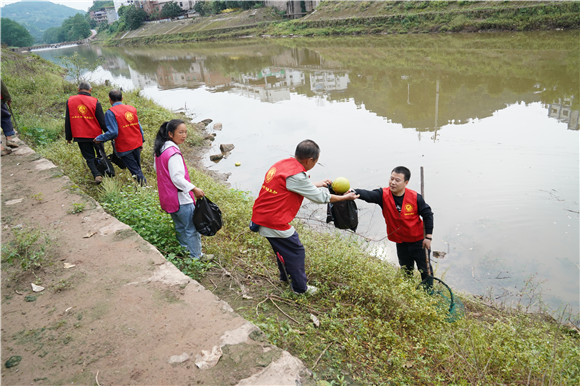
(26, 248)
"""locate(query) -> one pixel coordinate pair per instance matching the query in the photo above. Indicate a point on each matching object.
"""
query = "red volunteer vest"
(81, 111)
(405, 226)
(129, 137)
(276, 206)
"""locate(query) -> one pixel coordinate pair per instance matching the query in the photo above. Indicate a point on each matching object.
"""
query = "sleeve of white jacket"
(177, 173)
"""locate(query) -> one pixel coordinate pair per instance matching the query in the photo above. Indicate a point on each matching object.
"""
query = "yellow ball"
(340, 185)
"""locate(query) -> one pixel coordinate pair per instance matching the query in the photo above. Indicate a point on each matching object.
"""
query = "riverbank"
(333, 18)
(374, 326)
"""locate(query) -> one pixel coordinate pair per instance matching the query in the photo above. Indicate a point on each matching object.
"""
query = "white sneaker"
(206, 257)
(311, 290)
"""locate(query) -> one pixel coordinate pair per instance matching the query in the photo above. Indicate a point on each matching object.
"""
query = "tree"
(78, 67)
(14, 34)
(76, 28)
(51, 35)
(170, 10)
(134, 17)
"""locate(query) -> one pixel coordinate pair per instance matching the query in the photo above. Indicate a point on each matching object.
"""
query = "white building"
(119, 3)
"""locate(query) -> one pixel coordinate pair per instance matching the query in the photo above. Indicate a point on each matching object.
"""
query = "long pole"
(422, 183)
(423, 194)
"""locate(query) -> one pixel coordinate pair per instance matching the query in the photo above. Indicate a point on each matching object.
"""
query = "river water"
(493, 119)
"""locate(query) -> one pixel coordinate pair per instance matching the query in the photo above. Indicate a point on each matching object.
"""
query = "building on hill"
(108, 15)
(293, 9)
(119, 3)
(151, 6)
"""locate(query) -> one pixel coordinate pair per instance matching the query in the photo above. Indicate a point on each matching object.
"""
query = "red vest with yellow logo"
(405, 226)
(129, 137)
(81, 111)
(276, 206)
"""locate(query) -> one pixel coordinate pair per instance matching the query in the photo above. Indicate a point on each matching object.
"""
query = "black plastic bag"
(207, 217)
(104, 166)
(114, 158)
(344, 214)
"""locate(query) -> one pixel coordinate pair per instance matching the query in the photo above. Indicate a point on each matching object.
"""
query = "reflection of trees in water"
(478, 74)
(396, 76)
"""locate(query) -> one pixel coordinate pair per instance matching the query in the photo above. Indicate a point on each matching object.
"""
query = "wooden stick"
(288, 316)
(321, 354)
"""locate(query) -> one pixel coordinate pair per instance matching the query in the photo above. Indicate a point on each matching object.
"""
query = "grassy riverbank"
(375, 327)
(365, 17)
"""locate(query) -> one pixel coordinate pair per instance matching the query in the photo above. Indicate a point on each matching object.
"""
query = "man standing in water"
(403, 210)
(284, 187)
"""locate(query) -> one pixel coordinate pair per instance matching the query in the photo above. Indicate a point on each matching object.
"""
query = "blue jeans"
(187, 235)
(7, 127)
(132, 160)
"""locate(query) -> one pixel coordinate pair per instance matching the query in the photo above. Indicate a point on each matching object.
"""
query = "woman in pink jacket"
(177, 194)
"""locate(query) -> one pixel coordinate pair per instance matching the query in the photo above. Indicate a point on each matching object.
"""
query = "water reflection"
(420, 82)
(494, 118)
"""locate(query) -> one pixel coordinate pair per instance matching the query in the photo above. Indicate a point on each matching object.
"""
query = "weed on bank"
(368, 324)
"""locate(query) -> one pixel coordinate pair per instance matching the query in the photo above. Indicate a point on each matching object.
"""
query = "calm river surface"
(492, 118)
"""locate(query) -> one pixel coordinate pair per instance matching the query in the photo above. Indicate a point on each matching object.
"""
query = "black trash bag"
(254, 227)
(104, 166)
(114, 158)
(207, 217)
(344, 214)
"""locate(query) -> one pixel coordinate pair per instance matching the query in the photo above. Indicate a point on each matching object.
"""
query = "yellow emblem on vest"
(83, 110)
(408, 208)
(129, 116)
(270, 174)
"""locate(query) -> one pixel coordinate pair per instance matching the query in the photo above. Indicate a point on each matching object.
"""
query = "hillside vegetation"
(366, 17)
(374, 326)
(38, 16)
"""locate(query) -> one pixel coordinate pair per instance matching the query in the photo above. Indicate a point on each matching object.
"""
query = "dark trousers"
(290, 255)
(132, 160)
(90, 154)
(7, 127)
(410, 254)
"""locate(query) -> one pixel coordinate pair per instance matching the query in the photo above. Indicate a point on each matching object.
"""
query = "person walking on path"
(283, 190)
(84, 121)
(7, 126)
(124, 126)
(408, 218)
(177, 194)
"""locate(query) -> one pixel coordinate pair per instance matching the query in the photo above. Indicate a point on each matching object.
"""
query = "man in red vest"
(124, 126)
(84, 121)
(285, 186)
(403, 209)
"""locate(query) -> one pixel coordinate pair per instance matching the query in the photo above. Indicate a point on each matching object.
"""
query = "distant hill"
(38, 16)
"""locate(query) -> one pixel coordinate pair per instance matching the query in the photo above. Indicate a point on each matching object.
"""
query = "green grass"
(27, 248)
(375, 326)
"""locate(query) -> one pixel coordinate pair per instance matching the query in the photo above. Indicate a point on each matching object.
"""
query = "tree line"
(74, 28)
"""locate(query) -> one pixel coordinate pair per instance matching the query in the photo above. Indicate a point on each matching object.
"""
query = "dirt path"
(113, 310)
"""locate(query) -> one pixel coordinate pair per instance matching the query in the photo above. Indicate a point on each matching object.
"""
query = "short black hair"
(84, 85)
(307, 149)
(403, 170)
(116, 95)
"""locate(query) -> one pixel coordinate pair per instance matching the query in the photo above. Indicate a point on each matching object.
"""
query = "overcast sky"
(83, 5)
